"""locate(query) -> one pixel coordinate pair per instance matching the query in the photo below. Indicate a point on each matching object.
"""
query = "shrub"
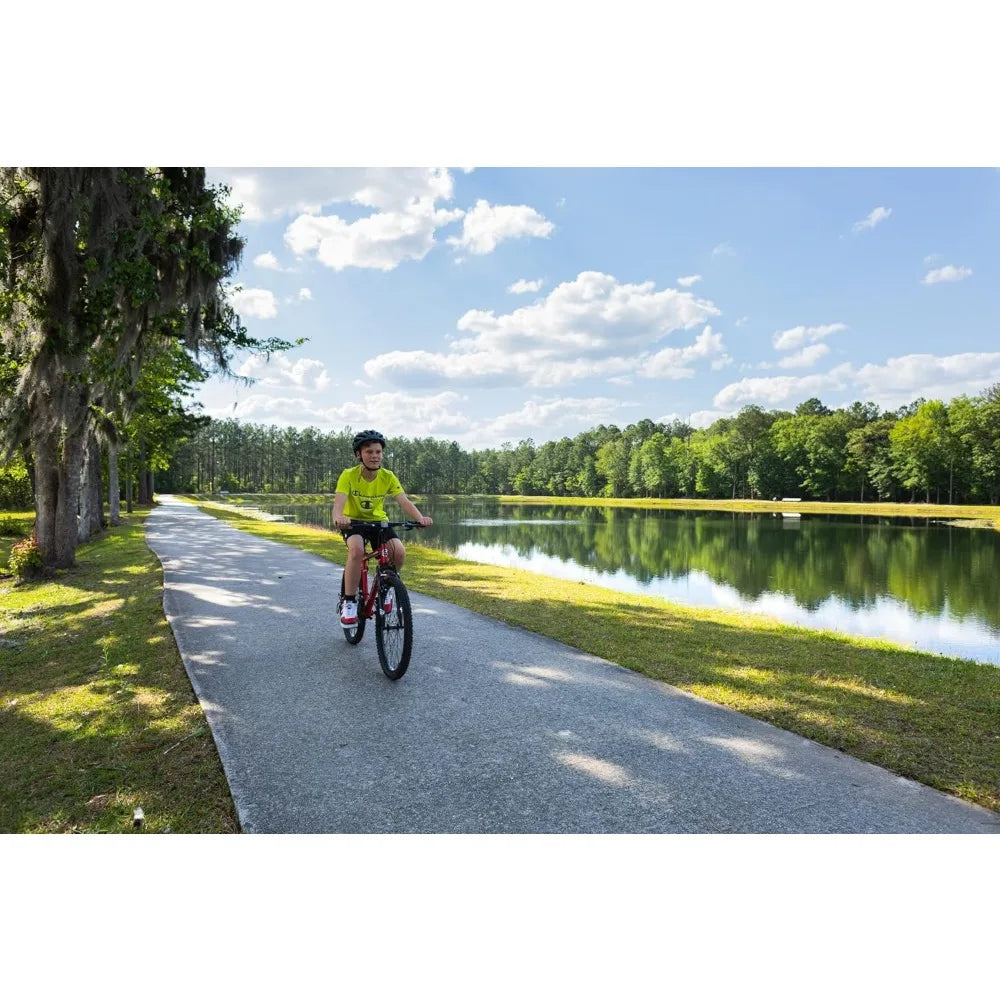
(26, 559)
(11, 527)
(15, 486)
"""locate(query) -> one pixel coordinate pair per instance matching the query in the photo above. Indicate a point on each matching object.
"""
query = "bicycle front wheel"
(393, 627)
(352, 633)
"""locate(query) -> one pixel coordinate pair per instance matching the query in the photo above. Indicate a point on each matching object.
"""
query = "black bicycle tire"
(352, 633)
(394, 666)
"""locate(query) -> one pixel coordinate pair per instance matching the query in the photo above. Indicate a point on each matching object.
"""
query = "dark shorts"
(373, 533)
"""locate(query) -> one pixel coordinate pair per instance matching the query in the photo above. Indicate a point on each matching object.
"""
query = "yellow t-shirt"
(365, 500)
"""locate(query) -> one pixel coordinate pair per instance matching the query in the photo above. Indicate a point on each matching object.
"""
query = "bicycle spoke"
(393, 628)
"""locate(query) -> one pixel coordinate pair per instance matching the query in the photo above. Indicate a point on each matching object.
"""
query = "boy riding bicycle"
(360, 496)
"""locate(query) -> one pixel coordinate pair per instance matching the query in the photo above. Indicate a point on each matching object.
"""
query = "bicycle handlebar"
(407, 525)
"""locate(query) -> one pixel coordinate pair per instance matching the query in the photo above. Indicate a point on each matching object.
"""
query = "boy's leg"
(352, 569)
(397, 552)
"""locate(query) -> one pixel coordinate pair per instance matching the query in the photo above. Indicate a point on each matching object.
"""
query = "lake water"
(922, 583)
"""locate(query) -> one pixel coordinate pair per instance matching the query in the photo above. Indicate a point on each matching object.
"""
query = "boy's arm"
(410, 508)
(338, 511)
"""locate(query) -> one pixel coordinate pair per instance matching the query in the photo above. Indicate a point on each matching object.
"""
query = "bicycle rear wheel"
(352, 633)
(393, 630)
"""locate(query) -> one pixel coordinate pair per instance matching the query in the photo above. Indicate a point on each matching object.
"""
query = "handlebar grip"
(386, 524)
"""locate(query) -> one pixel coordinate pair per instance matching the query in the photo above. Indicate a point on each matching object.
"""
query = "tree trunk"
(58, 474)
(114, 497)
(144, 495)
(58, 410)
(99, 487)
(29, 464)
(68, 501)
(91, 494)
(46, 495)
(85, 522)
(128, 478)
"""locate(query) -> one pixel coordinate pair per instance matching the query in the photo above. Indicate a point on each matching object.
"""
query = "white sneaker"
(349, 613)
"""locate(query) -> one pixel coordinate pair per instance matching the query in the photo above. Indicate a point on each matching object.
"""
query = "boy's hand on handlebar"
(342, 522)
(424, 521)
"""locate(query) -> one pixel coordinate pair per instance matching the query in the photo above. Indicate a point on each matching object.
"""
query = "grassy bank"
(97, 715)
(930, 718)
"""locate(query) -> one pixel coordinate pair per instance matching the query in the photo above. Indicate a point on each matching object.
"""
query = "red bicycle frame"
(369, 591)
(367, 585)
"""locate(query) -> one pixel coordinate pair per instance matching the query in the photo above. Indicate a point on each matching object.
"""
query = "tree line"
(112, 306)
(927, 451)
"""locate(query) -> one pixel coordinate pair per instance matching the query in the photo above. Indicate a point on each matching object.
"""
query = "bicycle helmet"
(363, 437)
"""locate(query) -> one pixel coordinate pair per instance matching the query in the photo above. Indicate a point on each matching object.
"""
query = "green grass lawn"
(97, 715)
(927, 717)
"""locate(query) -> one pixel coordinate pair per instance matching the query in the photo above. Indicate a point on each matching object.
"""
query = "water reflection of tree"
(857, 560)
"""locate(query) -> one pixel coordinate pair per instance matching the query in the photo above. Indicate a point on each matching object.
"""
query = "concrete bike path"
(492, 730)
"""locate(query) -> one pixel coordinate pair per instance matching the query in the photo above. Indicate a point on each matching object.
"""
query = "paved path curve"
(492, 730)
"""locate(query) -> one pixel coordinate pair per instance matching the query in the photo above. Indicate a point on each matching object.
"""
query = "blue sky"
(491, 305)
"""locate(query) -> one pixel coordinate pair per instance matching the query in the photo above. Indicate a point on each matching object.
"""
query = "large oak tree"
(100, 269)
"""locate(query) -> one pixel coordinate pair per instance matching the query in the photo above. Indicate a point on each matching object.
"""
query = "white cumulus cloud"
(559, 416)
(898, 381)
(259, 407)
(395, 414)
(805, 358)
(689, 280)
(256, 302)
(305, 295)
(591, 326)
(267, 261)
(485, 225)
(407, 214)
(271, 193)
(786, 340)
(874, 217)
(905, 378)
(280, 372)
(675, 362)
(444, 414)
(946, 273)
(402, 414)
(705, 418)
(523, 285)
(381, 241)
(781, 389)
